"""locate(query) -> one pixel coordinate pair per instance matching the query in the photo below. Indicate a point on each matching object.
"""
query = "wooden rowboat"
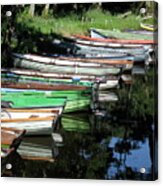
(33, 101)
(21, 61)
(105, 83)
(10, 113)
(47, 75)
(118, 41)
(71, 100)
(35, 122)
(95, 51)
(75, 61)
(117, 34)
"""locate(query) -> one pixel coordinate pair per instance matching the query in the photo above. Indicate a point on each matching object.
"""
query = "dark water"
(115, 145)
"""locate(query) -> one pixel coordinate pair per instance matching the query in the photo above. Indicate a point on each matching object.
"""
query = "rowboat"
(148, 27)
(74, 61)
(72, 100)
(141, 49)
(92, 51)
(117, 34)
(22, 61)
(74, 49)
(117, 42)
(34, 125)
(10, 77)
(34, 121)
(33, 101)
(105, 83)
(10, 113)
(73, 77)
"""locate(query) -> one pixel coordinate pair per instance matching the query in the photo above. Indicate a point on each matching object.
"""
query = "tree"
(46, 10)
(32, 10)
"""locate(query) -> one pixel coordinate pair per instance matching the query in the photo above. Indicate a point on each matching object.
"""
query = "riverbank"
(75, 23)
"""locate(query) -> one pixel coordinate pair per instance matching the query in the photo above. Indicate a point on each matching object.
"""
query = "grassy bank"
(79, 24)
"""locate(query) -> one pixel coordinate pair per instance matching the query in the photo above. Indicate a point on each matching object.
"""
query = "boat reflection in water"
(112, 144)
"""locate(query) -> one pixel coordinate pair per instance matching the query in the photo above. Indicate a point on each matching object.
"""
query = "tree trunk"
(46, 10)
(32, 10)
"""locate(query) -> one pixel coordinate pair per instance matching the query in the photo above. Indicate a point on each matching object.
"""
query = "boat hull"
(24, 63)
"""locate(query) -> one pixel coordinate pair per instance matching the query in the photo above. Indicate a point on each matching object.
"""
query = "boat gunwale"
(32, 119)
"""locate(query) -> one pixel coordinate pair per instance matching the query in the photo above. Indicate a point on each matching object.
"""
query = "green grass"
(75, 24)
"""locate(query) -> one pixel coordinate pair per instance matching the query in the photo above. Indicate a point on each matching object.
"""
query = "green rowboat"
(120, 35)
(73, 100)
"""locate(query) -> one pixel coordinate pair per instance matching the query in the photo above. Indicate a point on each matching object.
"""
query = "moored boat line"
(42, 88)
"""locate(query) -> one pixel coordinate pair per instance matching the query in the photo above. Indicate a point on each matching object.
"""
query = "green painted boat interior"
(73, 100)
(69, 94)
(22, 101)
